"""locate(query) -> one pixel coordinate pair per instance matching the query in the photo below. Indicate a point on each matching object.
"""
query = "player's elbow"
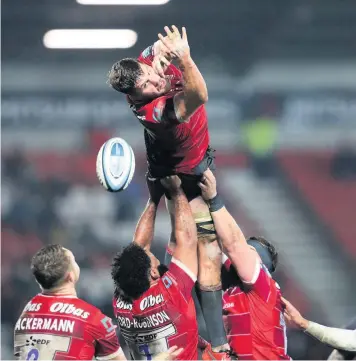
(202, 96)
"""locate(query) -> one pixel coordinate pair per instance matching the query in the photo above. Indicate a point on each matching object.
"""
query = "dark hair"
(130, 272)
(271, 249)
(50, 265)
(124, 75)
(230, 277)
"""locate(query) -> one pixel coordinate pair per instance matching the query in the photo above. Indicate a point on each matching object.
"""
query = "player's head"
(54, 267)
(133, 271)
(267, 253)
(138, 80)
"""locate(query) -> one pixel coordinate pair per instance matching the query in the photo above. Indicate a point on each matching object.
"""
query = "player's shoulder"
(265, 286)
(93, 311)
(72, 306)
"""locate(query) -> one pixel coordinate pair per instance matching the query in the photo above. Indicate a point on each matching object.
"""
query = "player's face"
(75, 270)
(150, 85)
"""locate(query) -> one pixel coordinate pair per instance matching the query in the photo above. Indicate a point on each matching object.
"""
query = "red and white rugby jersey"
(162, 317)
(64, 328)
(254, 320)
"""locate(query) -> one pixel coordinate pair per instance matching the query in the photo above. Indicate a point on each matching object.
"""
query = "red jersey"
(64, 328)
(254, 319)
(162, 317)
(172, 146)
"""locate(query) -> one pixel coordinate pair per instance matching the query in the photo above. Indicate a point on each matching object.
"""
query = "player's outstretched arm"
(184, 227)
(335, 337)
(195, 92)
(229, 233)
(341, 354)
(145, 227)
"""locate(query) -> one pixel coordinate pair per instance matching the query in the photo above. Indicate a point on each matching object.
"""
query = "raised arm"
(184, 226)
(229, 233)
(145, 227)
(195, 92)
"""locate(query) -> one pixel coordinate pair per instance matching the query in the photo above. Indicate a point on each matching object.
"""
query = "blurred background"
(282, 114)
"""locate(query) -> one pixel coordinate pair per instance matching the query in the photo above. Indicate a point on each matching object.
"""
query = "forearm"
(145, 227)
(335, 337)
(227, 230)
(194, 85)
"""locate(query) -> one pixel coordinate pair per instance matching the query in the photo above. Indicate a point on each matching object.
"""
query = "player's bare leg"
(209, 275)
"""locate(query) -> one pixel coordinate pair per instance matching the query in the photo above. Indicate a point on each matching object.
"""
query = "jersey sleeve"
(107, 345)
(159, 111)
(185, 278)
(262, 283)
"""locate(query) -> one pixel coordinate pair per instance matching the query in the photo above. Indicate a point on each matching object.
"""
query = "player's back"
(254, 320)
(63, 328)
(162, 317)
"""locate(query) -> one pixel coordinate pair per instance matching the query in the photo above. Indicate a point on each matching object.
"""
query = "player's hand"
(176, 45)
(160, 64)
(162, 58)
(171, 184)
(293, 316)
(170, 354)
(155, 188)
(207, 185)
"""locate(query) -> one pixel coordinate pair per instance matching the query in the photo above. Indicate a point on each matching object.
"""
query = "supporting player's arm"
(195, 92)
(233, 241)
(184, 226)
(341, 354)
(146, 225)
(335, 337)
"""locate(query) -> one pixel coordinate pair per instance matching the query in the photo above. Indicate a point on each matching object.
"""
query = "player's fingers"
(156, 64)
(201, 185)
(175, 30)
(184, 34)
(285, 301)
(163, 48)
(164, 61)
(176, 353)
(172, 349)
(165, 42)
(209, 175)
(168, 32)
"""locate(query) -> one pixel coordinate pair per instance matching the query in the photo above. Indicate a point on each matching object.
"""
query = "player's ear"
(154, 273)
(70, 277)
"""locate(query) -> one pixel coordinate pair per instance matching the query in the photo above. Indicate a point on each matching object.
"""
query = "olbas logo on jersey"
(151, 301)
(123, 305)
(68, 309)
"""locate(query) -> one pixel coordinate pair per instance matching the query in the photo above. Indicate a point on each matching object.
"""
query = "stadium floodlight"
(122, 2)
(89, 38)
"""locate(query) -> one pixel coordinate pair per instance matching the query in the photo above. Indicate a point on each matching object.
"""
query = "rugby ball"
(115, 165)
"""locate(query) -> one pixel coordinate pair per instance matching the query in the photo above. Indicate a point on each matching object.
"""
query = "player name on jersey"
(50, 323)
(144, 322)
(45, 324)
